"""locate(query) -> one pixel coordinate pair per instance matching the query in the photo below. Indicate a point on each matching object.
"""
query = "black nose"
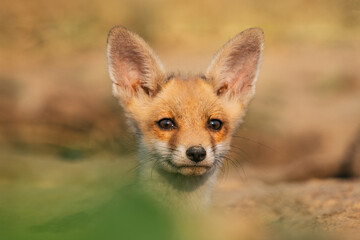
(196, 153)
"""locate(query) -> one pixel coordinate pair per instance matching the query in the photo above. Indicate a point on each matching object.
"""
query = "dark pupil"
(166, 123)
(215, 124)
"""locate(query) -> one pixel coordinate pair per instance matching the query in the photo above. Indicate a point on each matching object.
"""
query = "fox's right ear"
(133, 67)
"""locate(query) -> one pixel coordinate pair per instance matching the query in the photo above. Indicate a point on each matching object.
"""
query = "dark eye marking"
(170, 76)
(166, 124)
(214, 124)
(203, 77)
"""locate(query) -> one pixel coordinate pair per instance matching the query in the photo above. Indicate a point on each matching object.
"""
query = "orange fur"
(189, 105)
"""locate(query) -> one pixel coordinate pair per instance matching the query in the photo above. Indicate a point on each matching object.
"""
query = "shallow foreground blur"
(65, 146)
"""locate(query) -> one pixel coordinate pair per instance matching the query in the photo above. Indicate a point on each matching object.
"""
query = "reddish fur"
(191, 103)
(141, 86)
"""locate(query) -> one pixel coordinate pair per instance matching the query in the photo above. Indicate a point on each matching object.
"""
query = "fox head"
(185, 124)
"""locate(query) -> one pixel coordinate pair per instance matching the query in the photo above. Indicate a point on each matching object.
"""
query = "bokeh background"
(61, 129)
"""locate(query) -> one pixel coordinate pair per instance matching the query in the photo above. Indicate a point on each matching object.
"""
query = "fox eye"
(166, 124)
(214, 124)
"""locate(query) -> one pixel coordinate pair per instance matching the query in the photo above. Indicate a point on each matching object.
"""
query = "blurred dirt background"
(296, 158)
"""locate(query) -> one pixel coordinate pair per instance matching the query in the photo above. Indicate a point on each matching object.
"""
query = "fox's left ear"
(234, 69)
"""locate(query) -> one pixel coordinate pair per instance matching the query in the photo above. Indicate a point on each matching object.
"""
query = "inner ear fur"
(133, 66)
(234, 69)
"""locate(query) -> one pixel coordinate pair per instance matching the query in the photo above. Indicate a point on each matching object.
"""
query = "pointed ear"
(133, 67)
(234, 69)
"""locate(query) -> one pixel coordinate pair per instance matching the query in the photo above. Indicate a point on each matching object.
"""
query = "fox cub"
(184, 124)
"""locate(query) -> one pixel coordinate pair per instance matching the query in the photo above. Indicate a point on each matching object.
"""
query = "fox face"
(185, 124)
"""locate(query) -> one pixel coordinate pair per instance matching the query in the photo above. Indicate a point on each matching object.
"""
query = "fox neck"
(176, 191)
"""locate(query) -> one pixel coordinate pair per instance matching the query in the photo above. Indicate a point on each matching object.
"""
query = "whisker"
(240, 152)
(133, 169)
(155, 164)
(236, 165)
(240, 155)
(255, 142)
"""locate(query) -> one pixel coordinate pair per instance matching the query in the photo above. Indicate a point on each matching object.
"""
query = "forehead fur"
(186, 100)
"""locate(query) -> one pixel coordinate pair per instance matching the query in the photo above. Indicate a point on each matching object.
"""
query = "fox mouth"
(190, 169)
